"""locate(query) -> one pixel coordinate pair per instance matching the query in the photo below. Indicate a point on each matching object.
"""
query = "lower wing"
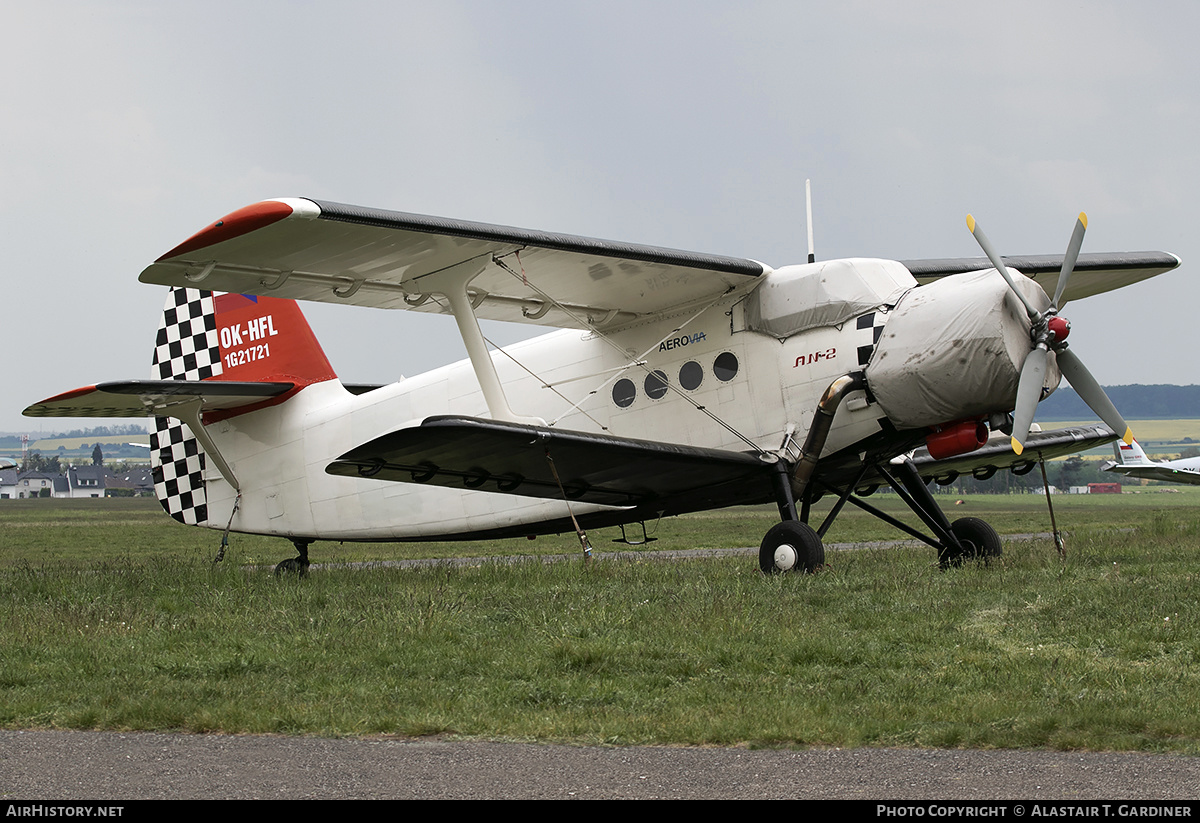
(471, 453)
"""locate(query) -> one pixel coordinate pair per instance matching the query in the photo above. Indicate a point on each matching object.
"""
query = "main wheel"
(791, 546)
(978, 538)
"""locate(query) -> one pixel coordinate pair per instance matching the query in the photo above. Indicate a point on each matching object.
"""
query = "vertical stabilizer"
(266, 339)
(1131, 454)
(186, 349)
(206, 335)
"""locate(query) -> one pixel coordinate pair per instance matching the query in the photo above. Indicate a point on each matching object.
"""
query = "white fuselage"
(566, 378)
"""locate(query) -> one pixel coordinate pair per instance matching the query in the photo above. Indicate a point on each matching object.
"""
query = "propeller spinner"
(1048, 332)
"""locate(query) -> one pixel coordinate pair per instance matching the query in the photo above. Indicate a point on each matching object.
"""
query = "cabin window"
(656, 384)
(624, 392)
(725, 367)
(691, 375)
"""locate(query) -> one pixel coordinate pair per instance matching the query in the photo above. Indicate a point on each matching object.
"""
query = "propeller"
(1049, 332)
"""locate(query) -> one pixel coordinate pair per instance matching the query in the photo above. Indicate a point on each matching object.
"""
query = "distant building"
(86, 481)
(138, 482)
(31, 484)
(76, 482)
(8, 484)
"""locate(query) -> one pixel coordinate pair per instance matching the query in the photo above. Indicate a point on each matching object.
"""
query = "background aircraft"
(1133, 462)
(678, 381)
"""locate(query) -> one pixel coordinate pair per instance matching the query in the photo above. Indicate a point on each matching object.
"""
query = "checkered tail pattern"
(186, 349)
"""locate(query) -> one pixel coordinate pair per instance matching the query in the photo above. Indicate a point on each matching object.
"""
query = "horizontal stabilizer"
(155, 398)
(538, 461)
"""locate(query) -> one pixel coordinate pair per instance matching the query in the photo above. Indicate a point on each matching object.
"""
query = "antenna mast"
(812, 257)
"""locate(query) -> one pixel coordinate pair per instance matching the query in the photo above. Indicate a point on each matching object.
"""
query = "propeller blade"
(1029, 392)
(982, 240)
(1087, 388)
(1068, 265)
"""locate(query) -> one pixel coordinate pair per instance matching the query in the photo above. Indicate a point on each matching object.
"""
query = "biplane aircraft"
(675, 382)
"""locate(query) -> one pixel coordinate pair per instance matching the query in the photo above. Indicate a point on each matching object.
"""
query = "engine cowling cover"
(953, 349)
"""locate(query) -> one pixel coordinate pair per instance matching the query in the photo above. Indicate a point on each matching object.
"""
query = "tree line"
(1136, 402)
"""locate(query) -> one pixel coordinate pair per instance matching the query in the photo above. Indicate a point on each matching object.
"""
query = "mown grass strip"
(884, 649)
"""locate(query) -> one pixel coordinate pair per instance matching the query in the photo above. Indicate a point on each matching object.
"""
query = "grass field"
(115, 618)
(49, 445)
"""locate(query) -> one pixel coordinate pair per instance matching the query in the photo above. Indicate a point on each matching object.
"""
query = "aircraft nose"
(954, 349)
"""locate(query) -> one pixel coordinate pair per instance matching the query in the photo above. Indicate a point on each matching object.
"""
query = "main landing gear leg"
(298, 564)
(790, 546)
(793, 545)
(964, 539)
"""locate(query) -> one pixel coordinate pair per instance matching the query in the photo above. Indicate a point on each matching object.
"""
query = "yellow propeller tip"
(1128, 437)
(1017, 447)
(971, 223)
(1083, 219)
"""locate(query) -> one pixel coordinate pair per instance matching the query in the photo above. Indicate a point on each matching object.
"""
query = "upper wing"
(537, 461)
(155, 398)
(330, 252)
(1094, 273)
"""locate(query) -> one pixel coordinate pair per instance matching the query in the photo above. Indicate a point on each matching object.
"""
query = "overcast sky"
(127, 126)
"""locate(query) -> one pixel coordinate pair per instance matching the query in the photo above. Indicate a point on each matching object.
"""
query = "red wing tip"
(33, 411)
(234, 224)
(68, 395)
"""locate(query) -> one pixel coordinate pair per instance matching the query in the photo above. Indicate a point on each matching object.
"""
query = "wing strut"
(1058, 541)
(579, 532)
(452, 282)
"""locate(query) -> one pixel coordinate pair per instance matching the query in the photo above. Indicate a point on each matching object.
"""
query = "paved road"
(114, 766)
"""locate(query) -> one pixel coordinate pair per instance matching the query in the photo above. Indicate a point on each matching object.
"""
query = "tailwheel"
(295, 565)
(791, 546)
(979, 542)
